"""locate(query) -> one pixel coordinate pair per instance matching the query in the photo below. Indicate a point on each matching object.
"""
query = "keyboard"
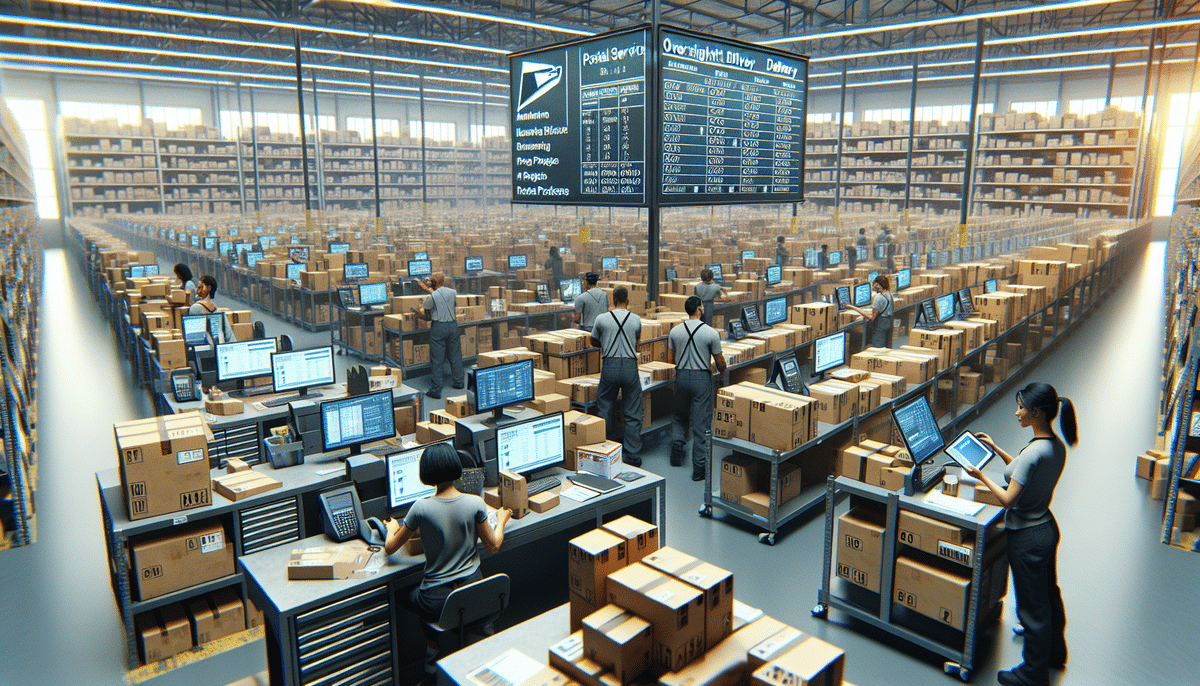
(280, 402)
(596, 483)
(542, 485)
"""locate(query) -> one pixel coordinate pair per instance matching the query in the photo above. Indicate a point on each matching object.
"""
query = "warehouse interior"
(134, 133)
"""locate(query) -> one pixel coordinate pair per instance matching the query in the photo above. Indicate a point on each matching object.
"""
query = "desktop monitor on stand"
(299, 370)
(501, 386)
(245, 360)
(352, 422)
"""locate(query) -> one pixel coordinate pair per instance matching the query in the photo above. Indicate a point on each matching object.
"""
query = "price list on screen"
(733, 121)
(612, 119)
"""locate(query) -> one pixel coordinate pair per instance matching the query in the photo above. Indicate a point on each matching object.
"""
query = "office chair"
(285, 343)
(471, 608)
(259, 331)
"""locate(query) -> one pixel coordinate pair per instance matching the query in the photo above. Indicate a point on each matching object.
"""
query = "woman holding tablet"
(883, 309)
(1032, 531)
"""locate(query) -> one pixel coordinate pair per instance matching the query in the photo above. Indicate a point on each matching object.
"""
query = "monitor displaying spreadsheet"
(357, 420)
(919, 429)
(829, 352)
(404, 477)
(302, 369)
(503, 385)
(244, 359)
(528, 446)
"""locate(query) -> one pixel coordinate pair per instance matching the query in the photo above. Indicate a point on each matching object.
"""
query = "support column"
(237, 145)
(972, 128)
(317, 147)
(651, 182)
(257, 168)
(424, 166)
(375, 152)
(912, 130)
(841, 117)
(303, 139)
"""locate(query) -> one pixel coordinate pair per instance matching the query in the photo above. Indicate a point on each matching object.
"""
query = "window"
(385, 127)
(174, 117)
(1086, 106)
(1179, 131)
(30, 114)
(124, 114)
(497, 131)
(434, 130)
(942, 113)
(1046, 108)
(277, 122)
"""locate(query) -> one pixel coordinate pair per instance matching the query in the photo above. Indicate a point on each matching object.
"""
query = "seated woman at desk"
(451, 524)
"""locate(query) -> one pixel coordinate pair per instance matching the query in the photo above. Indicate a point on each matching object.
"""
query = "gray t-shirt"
(707, 292)
(706, 344)
(883, 305)
(207, 306)
(448, 535)
(1037, 468)
(440, 304)
(618, 331)
(591, 304)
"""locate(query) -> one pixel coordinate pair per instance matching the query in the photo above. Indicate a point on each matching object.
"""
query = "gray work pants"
(693, 402)
(445, 345)
(621, 374)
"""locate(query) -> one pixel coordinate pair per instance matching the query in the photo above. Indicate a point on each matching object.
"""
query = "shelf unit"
(20, 292)
(112, 172)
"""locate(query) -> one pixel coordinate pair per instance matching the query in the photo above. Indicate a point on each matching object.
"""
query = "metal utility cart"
(960, 657)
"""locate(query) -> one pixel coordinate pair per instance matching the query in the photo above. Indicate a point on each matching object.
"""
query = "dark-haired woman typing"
(1032, 531)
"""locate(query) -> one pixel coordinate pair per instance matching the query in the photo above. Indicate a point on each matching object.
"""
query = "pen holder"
(282, 453)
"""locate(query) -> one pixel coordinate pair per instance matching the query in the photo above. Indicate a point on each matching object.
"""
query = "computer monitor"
(195, 329)
(216, 327)
(294, 269)
(914, 260)
(194, 239)
(354, 271)
(372, 293)
(829, 352)
(775, 311)
(672, 273)
(531, 445)
(503, 385)
(811, 260)
(404, 477)
(516, 262)
(299, 370)
(903, 278)
(928, 313)
(570, 289)
(420, 267)
(339, 248)
(774, 274)
(747, 255)
(966, 306)
(750, 318)
(233, 231)
(265, 242)
(919, 429)
(210, 243)
(860, 253)
(252, 258)
(990, 286)
(244, 359)
(473, 264)
(420, 256)
(931, 260)
(609, 263)
(835, 258)
(224, 247)
(842, 295)
(351, 422)
(299, 253)
(149, 270)
(945, 307)
(295, 240)
(716, 270)
(871, 276)
(862, 294)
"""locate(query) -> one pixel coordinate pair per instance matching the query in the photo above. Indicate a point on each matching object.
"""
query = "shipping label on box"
(164, 464)
(591, 558)
(674, 609)
(860, 549)
(601, 459)
(183, 556)
(715, 583)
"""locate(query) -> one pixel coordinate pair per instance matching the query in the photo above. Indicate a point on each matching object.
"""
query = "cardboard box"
(836, 402)
(514, 493)
(812, 662)
(852, 461)
(933, 592)
(182, 556)
(739, 476)
(164, 464)
(641, 538)
(327, 563)
(458, 406)
(601, 459)
(216, 615)
(728, 663)
(619, 641)
(674, 609)
(774, 646)
(591, 558)
(244, 484)
(543, 502)
(860, 548)
(162, 633)
(568, 656)
(224, 406)
(715, 583)
(580, 429)
(935, 537)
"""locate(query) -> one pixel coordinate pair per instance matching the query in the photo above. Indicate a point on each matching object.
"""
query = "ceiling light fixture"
(478, 16)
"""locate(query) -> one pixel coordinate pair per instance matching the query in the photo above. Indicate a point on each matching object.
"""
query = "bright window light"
(385, 127)
(277, 122)
(30, 114)
(175, 117)
(493, 131)
(434, 130)
(1046, 108)
(823, 117)
(124, 114)
(1180, 127)
(1086, 106)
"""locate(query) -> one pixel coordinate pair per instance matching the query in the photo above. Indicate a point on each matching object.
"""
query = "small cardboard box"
(164, 464)
(601, 459)
(543, 502)
(327, 563)
(776, 645)
(852, 461)
(619, 641)
(739, 476)
(244, 484)
(182, 556)
(836, 402)
(727, 664)
(673, 608)
(936, 537)
(569, 657)
(591, 558)
(224, 406)
(216, 615)
(457, 406)
(812, 662)
(933, 592)
(514, 493)
(715, 583)
(860, 548)
(162, 633)
(641, 538)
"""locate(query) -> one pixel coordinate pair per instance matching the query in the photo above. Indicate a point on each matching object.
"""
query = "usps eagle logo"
(537, 79)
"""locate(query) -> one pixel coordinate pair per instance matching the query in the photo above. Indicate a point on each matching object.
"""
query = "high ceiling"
(251, 41)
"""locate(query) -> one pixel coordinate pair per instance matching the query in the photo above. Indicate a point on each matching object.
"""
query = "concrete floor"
(1129, 598)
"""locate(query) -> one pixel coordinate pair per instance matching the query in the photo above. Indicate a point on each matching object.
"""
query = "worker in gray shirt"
(708, 292)
(445, 342)
(617, 333)
(689, 348)
(782, 256)
(591, 303)
(1032, 531)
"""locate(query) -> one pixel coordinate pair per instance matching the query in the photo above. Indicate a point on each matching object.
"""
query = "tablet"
(969, 451)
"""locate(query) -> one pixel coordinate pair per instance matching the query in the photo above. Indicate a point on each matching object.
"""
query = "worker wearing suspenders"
(445, 340)
(689, 347)
(617, 333)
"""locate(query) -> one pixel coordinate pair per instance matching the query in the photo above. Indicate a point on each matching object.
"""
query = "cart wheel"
(964, 674)
(769, 539)
(820, 611)
(705, 510)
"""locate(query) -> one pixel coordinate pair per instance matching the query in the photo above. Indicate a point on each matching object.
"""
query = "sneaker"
(697, 475)
(633, 460)
(1012, 678)
(436, 395)
(459, 387)
(676, 457)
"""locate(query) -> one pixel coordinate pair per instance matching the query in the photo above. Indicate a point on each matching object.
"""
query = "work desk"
(532, 637)
(297, 611)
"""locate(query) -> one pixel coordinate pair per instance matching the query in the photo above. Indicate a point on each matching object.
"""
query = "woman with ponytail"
(1033, 534)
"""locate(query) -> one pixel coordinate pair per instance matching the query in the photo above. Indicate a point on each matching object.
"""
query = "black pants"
(693, 403)
(620, 374)
(445, 345)
(1033, 559)
(427, 604)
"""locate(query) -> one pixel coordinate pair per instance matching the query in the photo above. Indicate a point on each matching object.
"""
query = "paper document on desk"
(510, 669)
(578, 494)
(959, 506)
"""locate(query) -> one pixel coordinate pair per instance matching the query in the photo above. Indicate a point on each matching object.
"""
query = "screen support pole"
(653, 181)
